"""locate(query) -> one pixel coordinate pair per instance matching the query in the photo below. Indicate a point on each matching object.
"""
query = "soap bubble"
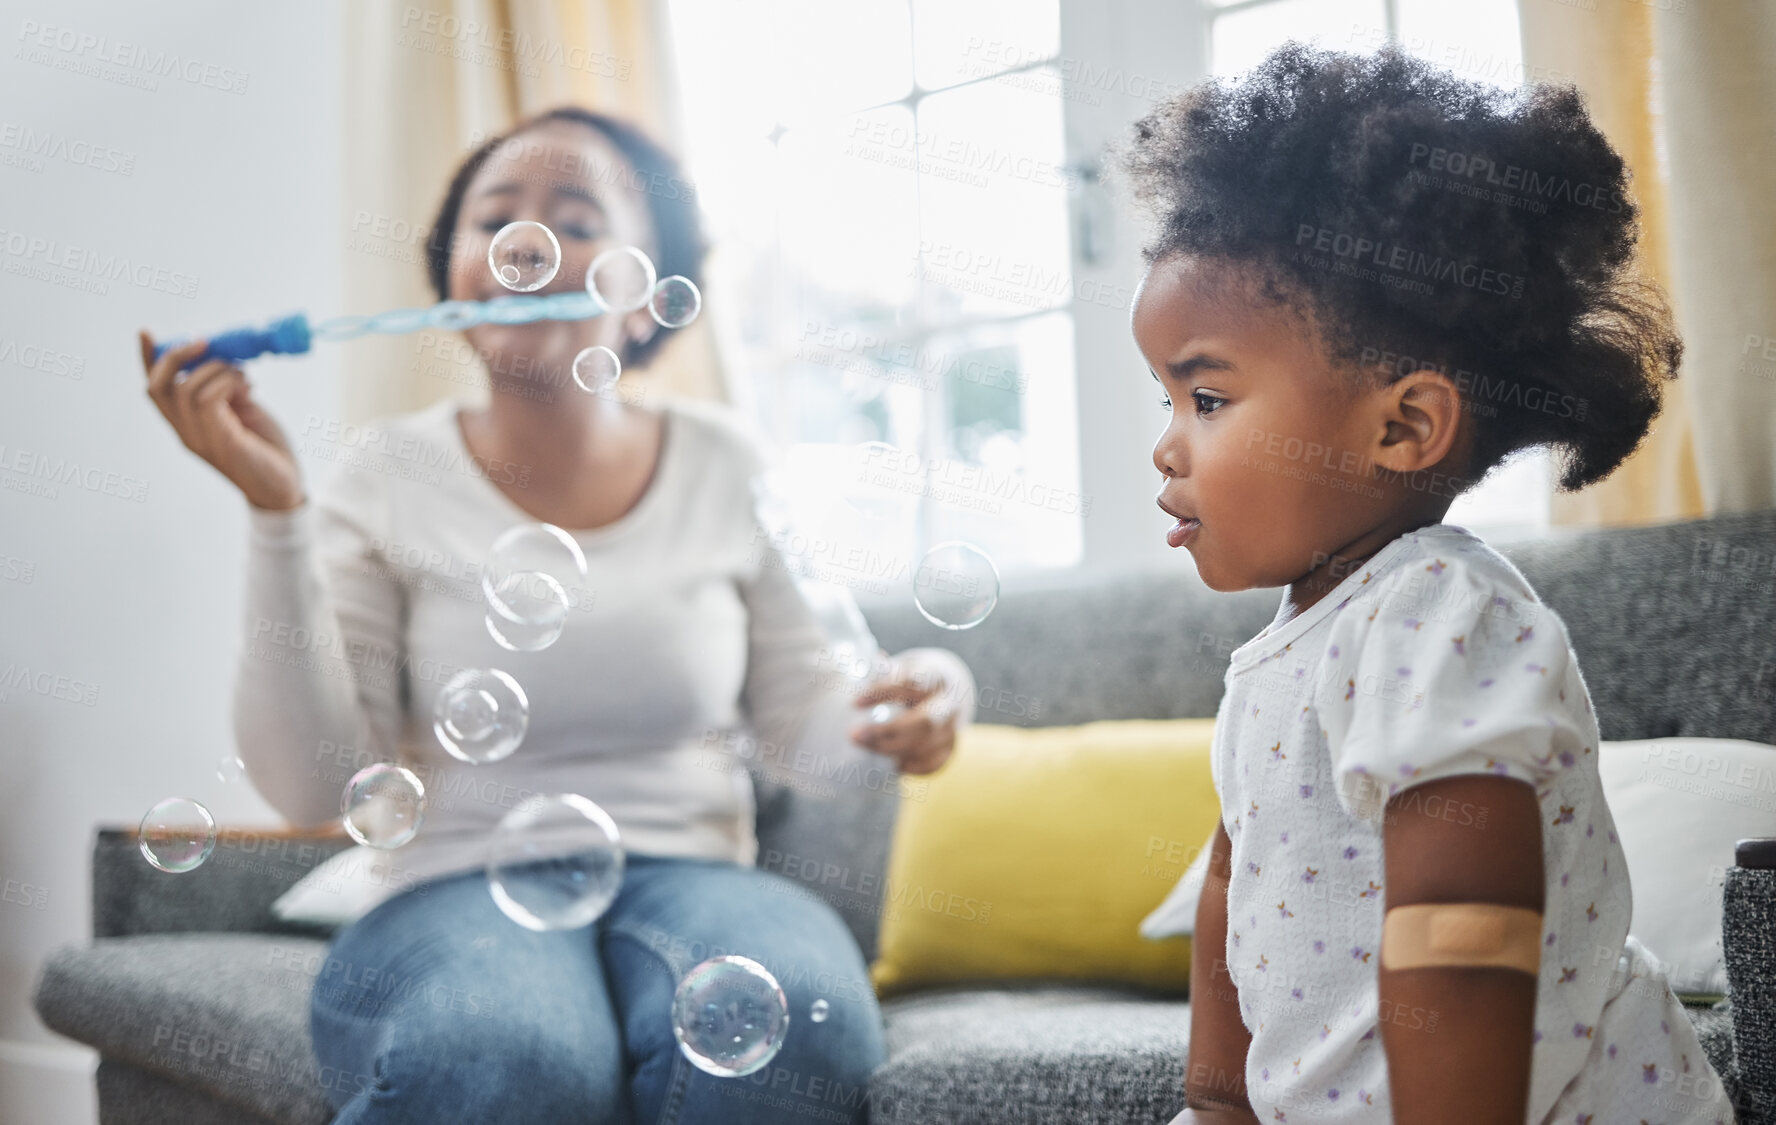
(956, 585)
(517, 566)
(230, 768)
(522, 636)
(384, 805)
(819, 1011)
(529, 613)
(675, 302)
(729, 1016)
(481, 715)
(597, 369)
(524, 256)
(622, 280)
(177, 835)
(555, 862)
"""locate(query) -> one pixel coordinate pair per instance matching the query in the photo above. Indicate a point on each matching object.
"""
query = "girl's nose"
(1169, 455)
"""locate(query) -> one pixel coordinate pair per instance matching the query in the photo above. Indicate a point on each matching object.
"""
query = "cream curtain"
(1686, 93)
(426, 81)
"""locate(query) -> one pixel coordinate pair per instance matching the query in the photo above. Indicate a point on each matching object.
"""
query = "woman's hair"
(671, 200)
(1420, 220)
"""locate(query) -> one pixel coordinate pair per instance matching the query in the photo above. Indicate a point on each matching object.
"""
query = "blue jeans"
(435, 1007)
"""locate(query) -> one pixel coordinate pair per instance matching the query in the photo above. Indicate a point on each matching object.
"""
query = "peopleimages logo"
(1415, 265)
(1515, 178)
(81, 50)
(96, 265)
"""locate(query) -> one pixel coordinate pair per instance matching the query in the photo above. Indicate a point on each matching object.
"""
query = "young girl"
(1371, 283)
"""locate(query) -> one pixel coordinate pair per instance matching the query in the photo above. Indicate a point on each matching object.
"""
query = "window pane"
(955, 40)
(1240, 40)
(1477, 39)
(1514, 495)
(827, 58)
(1008, 478)
(894, 273)
(978, 441)
(847, 201)
(993, 202)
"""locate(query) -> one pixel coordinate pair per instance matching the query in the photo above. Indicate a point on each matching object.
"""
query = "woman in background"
(692, 628)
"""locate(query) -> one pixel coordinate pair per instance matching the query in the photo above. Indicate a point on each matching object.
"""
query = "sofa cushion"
(1041, 1055)
(1036, 853)
(200, 1028)
(224, 1015)
(131, 1096)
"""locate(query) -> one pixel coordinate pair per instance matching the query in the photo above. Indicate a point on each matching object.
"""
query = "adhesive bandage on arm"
(1478, 935)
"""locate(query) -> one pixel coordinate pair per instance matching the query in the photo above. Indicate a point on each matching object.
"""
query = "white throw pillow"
(1176, 916)
(1679, 805)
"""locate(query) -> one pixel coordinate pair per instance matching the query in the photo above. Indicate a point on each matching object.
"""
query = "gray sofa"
(196, 997)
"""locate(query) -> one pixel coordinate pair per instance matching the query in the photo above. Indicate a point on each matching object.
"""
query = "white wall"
(138, 601)
(1119, 60)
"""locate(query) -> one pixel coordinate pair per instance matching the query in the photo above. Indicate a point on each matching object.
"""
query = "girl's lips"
(1182, 531)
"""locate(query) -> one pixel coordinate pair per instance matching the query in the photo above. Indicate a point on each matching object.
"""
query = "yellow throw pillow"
(1035, 854)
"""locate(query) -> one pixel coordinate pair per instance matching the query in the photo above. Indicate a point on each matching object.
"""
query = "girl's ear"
(1422, 419)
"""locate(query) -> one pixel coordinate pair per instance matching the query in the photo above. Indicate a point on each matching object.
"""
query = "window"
(886, 187)
(1476, 39)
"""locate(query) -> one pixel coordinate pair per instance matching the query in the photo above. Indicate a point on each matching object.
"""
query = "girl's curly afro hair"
(1426, 221)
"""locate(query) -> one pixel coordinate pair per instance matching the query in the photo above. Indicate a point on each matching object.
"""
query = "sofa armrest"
(231, 892)
(1748, 938)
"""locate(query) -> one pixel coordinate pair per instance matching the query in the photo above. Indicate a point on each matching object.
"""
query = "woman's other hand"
(213, 412)
(921, 738)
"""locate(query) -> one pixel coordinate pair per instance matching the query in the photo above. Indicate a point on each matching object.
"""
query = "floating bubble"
(384, 805)
(730, 1016)
(520, 560)
(956, 585)
(530, 612)
(819, 1011)
(555, 862)
(622, 280)
(597, 369)
(522, 636)
(230, 768)
(675, 302)
(524, 256)
(481, 715)
(177, 835)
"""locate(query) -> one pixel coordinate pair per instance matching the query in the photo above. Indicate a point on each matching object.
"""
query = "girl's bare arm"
(1215, 1081)
(1458, 1040)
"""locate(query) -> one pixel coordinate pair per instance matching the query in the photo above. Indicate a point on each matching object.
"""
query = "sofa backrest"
(231, 893)
(1674, 626)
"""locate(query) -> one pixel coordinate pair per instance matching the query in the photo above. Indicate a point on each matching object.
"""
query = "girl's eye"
(1202, 398)
(494, 226)
(1165, 401)
(578, 231)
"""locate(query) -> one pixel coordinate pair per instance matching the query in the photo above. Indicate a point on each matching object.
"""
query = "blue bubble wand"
(292, 335)
(524, 255)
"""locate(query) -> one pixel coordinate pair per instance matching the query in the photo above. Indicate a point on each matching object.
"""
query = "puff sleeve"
(1447, 669)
